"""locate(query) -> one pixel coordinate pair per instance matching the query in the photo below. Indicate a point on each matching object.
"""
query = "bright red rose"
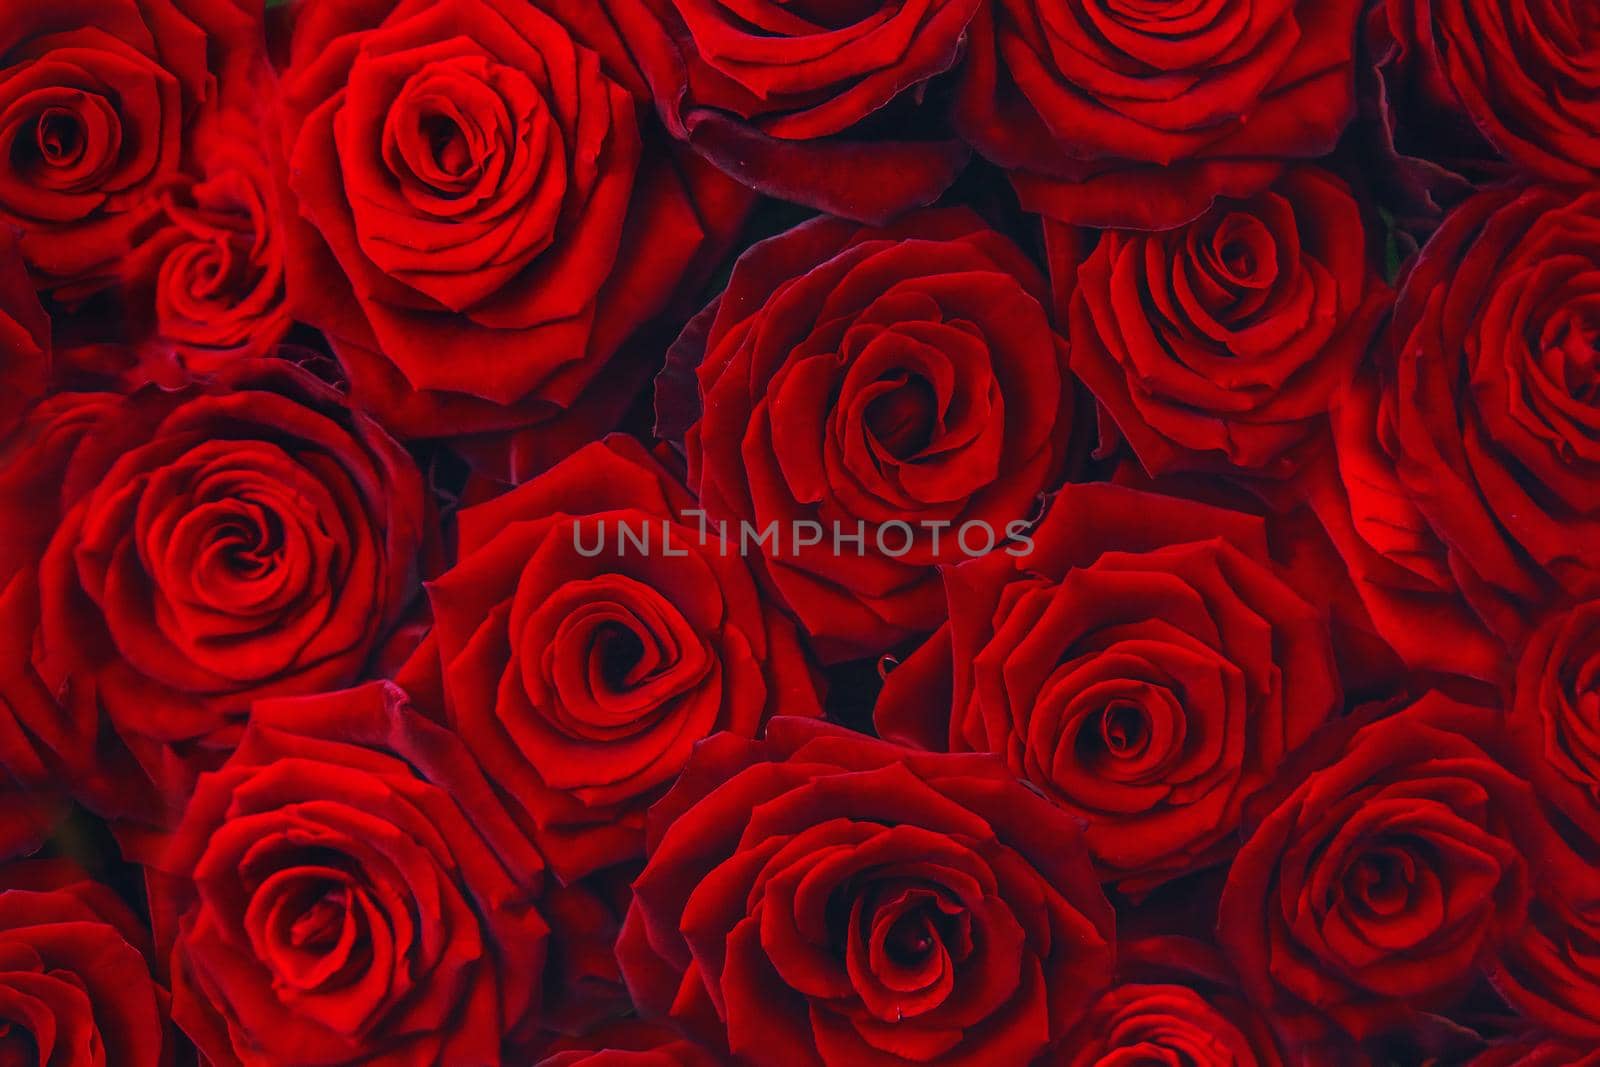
(211, 272)
(482, 224)
(75, 982)
(826, 898)
(900, 385)
(1220, 345)
(1391, 867)
(348, 889)
(96, 97)
(1471, 90)
(1464, 497)
(1140, 115)
(1176, 1002)
(581, 667)
(187, 553)
(1143, 667)
(815, 102)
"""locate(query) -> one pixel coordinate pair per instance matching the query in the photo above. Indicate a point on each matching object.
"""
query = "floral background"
(1226, 373)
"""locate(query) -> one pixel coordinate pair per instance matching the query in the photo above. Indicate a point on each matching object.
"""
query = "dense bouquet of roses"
(799, 533)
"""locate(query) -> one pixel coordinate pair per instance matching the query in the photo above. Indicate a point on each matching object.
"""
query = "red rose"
(75, 984)
(475, 198)
(581, 667)
(1141, 115)
(628, 1044)
(780, 95)
(24, 337)
(212, 270)
(191, 552)
(1465, 86)
(1469, 453)
(349, 890)
(1385, 877)
(1550, 971)
(1176, 1003)
(1142, 667)
(31, 732)
(903, 386)
(1219, 346)
(826, 898)
(95, 99)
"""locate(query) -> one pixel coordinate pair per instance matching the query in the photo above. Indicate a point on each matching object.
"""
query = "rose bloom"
(211, 269)
(1140, 115)
(1469, 91)
(1463, 499)
(1176, 1001)
(855, 378)
(75, 987)
(1220, 345)
(1387, 873)
(347, 889)
(822, 897)
(96, 98)
(473, 188)
(183, 554)
(815, 102)
(581, 668)
(1550, 972)
(1143, 667)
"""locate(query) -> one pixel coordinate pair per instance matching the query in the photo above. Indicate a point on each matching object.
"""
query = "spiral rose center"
(911, 936)
(619, 650)
(60, 137)
(1382, 881)
(314, 934)
(1125, 730)
(1571, 355)
(903, 419)
(1243, 253)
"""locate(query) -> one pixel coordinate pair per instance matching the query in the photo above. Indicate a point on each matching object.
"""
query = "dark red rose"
(815, 102)
(349, 890)
(1464, 499)
(190, 552)
(1176, 1002)
(826, 898)
(1551, 970)
(212, 271)
(482, 223)
(1469, 91)
(1219, 346)
(1555, 712)
(96, 97)
(24, 337)
(1140, 115)
(1396, 861)
(589, 636)
(75, 984)
(899, 385)
(1143, 666)
(628, 1044)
